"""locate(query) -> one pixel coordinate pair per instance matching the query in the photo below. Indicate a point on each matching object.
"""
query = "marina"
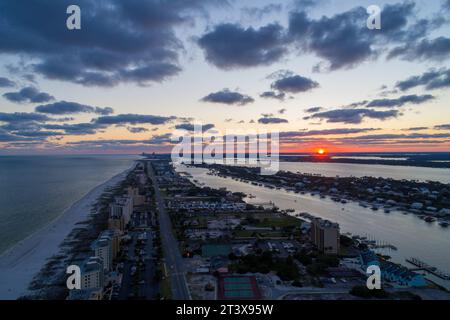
(426, 267)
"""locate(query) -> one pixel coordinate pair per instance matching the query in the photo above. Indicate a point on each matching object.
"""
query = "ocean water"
(35, 190)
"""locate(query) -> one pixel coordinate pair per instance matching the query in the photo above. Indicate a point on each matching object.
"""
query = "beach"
(19, 264)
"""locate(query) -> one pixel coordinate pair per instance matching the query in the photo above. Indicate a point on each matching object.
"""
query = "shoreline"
(376, 224)
(20, 263)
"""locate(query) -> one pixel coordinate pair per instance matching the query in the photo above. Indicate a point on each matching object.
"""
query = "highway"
(172, 255)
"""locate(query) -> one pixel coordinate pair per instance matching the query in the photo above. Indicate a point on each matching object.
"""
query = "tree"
(366, 293)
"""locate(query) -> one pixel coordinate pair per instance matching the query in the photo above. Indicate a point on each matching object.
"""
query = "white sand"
(19, 264)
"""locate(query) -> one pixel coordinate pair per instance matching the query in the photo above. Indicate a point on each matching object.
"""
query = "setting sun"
(321, 151)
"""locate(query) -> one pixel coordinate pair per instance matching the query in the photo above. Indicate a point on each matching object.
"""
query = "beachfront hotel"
(137, 198)
(122, 207)
(102, 248)
(92, 275)
(325, 235)
(92, 281)
(114, 237)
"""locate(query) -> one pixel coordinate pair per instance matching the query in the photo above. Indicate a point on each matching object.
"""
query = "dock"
(426, 267)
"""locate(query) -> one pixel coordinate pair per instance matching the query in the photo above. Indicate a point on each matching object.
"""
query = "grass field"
(279, 222)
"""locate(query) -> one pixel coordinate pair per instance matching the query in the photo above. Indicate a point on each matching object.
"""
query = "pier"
(426, 267)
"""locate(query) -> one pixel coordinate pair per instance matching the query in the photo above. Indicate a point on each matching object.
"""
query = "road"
(174, 260)
(132, 288)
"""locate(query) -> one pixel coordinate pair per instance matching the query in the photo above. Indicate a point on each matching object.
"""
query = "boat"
(429, 219)
(444, 224)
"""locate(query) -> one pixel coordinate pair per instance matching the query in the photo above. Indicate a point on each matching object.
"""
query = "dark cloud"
(273, 95)
(158, 140)
(5, 83)
(228, 97)
(18, 117)
(76, 129)
(282, 111)
(293, 83)
(230, 46)
(21, 125)
(269, 120)
(442, 127)
(5, 136)
(313, 110)
(432, 79)
(161, 139)
(37, 134)
(403, 136)
(340, 131)
(446, 5)
(133, 119)
(437, 49)
(303, 4)
(29, 95)
(105, 143)
(395, 22)
(119, 41)
(354, 116)
(369, 139)
(399, 102)
(415, 129)
(190, 127)
(344, 41)
(37, 125)
(357, 104)
(137, 129)
(64, 107)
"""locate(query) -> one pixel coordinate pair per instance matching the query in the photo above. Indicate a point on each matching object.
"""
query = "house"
(392, 272)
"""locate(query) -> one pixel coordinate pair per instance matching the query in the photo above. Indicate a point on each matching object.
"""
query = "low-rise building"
(392, 272)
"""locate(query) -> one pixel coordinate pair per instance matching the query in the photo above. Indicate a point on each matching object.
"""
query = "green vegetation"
(364, 292)
(317, 264)
(286, 269)
(279, 222)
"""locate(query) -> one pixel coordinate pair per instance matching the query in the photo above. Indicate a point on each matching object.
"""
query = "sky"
(139, 70)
